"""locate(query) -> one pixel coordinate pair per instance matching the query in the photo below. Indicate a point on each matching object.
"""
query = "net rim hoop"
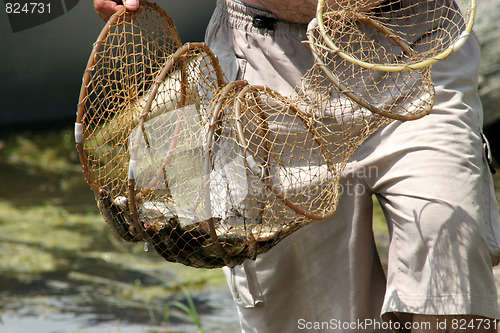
(91, 62)
(395, 68)
(350, 94)
(79, 136)
(243, 143)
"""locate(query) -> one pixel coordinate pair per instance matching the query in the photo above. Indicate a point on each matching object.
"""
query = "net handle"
(392, 68)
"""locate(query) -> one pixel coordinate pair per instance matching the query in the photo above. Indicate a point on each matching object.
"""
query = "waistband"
(255, 20)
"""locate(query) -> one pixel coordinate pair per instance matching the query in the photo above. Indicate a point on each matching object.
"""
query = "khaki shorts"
(430, 177)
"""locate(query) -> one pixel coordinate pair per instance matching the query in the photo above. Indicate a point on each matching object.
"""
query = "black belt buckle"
(263, 22)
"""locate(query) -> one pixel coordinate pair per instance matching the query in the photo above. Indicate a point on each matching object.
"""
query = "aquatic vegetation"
(53, 151)
(189, 309)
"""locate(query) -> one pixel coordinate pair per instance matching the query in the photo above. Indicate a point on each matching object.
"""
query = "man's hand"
(106, 8)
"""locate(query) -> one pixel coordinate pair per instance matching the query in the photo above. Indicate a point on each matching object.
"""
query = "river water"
(63, 271)
(215, 308)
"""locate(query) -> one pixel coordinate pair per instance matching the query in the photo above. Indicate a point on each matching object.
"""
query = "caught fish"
(115, 213)
(179, 239)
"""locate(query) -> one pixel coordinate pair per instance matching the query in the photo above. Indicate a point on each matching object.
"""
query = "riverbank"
(61, 263)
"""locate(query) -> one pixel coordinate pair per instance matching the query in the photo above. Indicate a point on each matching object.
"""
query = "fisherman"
(432, 181)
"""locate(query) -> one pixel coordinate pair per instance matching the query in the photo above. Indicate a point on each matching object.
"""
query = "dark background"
(41, 68)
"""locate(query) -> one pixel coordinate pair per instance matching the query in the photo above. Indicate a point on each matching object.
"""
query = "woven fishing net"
(381, 58)
(210, 173)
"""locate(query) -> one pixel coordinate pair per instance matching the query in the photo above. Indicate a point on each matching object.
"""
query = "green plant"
(190, 309)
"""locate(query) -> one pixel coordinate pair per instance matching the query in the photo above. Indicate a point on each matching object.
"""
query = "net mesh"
(401, 34)
(211, 173)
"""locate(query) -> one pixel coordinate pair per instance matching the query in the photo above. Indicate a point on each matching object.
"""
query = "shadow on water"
(63, 270)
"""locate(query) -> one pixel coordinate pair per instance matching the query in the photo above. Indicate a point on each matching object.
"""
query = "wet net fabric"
(210, 173)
